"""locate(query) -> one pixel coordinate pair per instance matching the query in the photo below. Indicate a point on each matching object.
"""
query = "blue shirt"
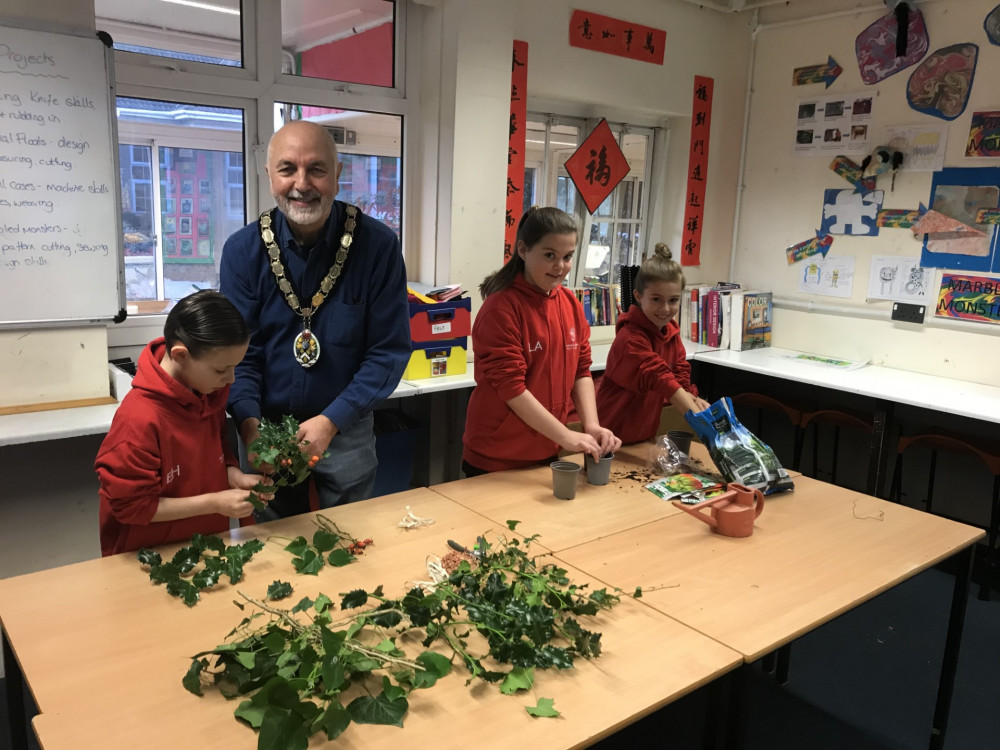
(362, 327)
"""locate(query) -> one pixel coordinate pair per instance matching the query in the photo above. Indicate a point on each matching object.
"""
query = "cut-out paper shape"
(851, 171)
(876, 47)
(826, 73)
(597, 166)
(988, 216)
(899, 218)
(992, 25)
(850, 212)
(941, 84)
(818, 245)
(969, 298)
(960, 194)
(935, 223)
(984, 135)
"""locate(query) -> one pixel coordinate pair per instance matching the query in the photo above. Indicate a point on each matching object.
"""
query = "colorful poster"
(697, 182)
(959, 194)
(878, 57)
(941, 84)
(818, 245)
(515, 145)
(969, 298)
(597, 166)
(825, 73)
(839, 123)
(831, 277)
(984, 135)
(901, 279)
(613, 36)
(922, 146)
(851, 212)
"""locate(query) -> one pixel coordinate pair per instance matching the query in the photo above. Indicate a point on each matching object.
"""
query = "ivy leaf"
(309, 563)
(340, 557)
(392, 692)
(638, 592)
(279, 590)
(297, 546)
(246, 658)
(544, 708)
(322, 603)
(251, 713)
(512, 524)
(303, 605)
(378, 710)
(324, 540)
(334, 720)
(354, 599)
(258, 504)
(435, 666)
(192, 680)
(281, 729)
(519, 678)
(149, 557)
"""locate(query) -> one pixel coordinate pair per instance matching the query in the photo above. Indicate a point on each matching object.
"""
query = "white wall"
(782, 202)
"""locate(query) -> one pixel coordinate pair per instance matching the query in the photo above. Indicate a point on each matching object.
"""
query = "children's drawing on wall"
(850, 212)
(922, 146)
(837, 123)
(955, 236)
(901, 279)
(891, 44)
(992, 25)
(831, 277)
(969, 298)
(984, 135)
(941, 84)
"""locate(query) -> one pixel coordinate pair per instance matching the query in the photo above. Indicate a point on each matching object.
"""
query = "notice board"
(61, 252)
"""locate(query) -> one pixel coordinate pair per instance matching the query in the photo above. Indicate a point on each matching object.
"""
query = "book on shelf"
(752, 312)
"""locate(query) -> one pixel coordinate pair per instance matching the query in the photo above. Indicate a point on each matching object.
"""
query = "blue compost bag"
(739, 455)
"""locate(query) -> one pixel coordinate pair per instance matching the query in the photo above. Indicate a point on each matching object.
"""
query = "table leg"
(14, 681)
(736, 725)
(877, 452)
(953, 643)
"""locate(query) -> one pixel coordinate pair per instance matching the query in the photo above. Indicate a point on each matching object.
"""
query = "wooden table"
(814, 554)
(103, 650)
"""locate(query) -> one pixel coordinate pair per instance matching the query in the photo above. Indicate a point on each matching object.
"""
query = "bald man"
(323, 288)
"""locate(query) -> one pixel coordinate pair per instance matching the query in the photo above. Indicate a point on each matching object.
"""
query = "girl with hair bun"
(166, 468)
(532, 357)
(647, 364)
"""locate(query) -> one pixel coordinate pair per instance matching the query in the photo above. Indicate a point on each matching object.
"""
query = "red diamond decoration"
(597, 166)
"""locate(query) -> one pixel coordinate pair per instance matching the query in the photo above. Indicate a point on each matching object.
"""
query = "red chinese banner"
(515, 145)
(616, 37)
(597, 166)
(694, 211)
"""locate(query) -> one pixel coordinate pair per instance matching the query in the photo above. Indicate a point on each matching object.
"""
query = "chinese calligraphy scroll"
(694, 210)
(616, 37)
(515, 145)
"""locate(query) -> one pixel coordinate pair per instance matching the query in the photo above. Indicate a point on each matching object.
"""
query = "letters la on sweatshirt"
(165, 441)
(524, 339)
(646, 366)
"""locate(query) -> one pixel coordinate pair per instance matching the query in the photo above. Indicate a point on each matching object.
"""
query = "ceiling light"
(205, 6)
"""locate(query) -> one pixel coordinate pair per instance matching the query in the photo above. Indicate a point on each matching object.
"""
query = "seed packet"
(688, 488)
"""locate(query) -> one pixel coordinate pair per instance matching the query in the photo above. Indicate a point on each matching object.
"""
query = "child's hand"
(700, 404)
(581, 442)
(233, 503)
(606, 439)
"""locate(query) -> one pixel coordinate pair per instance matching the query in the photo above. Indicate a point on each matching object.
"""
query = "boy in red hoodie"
(532, 357)
(647, 365)
(166, 468)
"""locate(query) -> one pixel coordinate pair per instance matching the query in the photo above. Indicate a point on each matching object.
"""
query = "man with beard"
(323, 289)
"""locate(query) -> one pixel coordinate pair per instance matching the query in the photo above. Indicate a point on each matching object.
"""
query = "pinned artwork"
(941, 84)
(876, 46)
(898, 278)
(827, 73)
(956, 233)
(969, 298)
(922, 146)
(597, 166)
(992, 26)
(851, 171)
(984, 135)
(818, 245)
(831, 277)
(899, 218)
(850, 212)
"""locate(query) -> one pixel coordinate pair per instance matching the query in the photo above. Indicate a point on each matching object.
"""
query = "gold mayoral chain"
(306, 346)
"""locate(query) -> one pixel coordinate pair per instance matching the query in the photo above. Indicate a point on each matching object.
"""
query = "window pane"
(370, 148)
(199, 30)
(137, 223)
(339, 40)
(597, 256)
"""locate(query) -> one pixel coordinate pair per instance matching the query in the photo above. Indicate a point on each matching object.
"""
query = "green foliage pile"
(294, 667)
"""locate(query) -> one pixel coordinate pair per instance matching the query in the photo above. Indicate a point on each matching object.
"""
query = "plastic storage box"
(431, 359)
(441, 321)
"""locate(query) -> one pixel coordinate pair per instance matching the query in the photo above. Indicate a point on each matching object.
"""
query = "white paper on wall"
(831, 277)
(900, 279)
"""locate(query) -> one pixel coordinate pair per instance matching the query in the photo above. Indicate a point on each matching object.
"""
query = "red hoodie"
(165, 441)
(646, 366)
(524, 339)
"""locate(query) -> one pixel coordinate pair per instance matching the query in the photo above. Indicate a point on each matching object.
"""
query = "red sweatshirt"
(524, 339)
(646, 366)
(165, 441)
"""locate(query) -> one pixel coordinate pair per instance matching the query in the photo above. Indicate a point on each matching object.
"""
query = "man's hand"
(250, 431)
(319, 431)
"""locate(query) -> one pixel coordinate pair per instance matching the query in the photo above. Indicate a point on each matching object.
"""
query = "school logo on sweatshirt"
(571, 342)
(173, 473)
(537, 347)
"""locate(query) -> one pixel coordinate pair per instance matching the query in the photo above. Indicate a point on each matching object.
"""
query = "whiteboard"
(61, 254)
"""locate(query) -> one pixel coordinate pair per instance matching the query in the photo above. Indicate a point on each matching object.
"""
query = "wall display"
(851, 212)
(984, 135)
(922, 145)
(941, 84)
(876, 46)
(830, 277)
(826, 73)
(613, 36)
(899, 218)
(818, 245)
(900, 279)
(597, 166)
(516, 144)
(852, 172)
(992, 25)
(959, 194)
(833, 123)
(969, 298)
(697, 181)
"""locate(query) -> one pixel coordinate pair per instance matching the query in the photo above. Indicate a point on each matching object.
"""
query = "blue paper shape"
(851, 212)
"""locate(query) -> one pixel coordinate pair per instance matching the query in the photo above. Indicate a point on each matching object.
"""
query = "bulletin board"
(61, 247)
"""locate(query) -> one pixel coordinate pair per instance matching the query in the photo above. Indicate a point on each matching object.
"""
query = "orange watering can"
(732, 513)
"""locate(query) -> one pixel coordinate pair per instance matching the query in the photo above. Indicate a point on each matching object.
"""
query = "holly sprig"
(278, 448)
(330, 544)
(294, 666)
(199, 565)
